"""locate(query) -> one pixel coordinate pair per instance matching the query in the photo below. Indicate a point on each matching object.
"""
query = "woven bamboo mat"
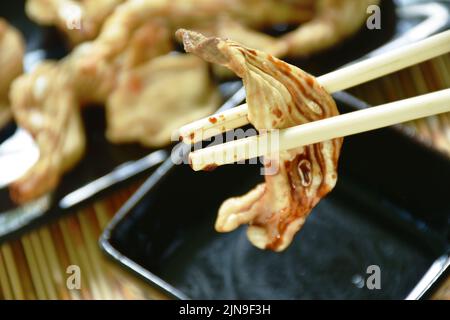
(424, 78)
(34, 266)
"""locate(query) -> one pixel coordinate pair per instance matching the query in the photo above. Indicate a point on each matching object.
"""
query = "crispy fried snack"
(323, 23)
(12, 49)
(47, 101)
(80, 20)
(279, 95)
(164, 94)
(51, 115)
(133, 34)
(334, 21)
(197, 14)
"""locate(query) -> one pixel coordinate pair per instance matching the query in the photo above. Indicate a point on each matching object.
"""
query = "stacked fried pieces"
(123, 58)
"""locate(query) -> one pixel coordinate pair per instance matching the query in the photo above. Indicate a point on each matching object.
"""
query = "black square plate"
(390, 209)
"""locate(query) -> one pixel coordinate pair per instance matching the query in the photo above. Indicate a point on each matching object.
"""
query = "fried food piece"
(323, 23)
(279, 95)
(227, 28)
(163, 95)
(197, 14)
(51, 115)
(334, 21)
(132, 35)
(94, 79)
(12, 49)
(47, 103)
(80, 20)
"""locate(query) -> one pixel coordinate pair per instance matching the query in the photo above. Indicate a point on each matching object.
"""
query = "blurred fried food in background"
(49, 112)
(171, 85)
(12, 48)
(79, 20)
(129, 67)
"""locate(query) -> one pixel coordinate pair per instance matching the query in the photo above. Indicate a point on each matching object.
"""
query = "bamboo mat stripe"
(34, 266)
(426, 77)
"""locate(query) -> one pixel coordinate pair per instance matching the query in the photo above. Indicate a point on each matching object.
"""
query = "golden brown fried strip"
(198, 14)
(163, 95)
(227, 28)
(80, 20)
(324, 22)
(278, 96)
(335, 20)
(47, 101)
(136, 32)
(12, 50)
(51, 115)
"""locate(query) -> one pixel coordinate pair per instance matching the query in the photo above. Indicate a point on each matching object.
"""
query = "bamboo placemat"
(34, 266)
(424, 78)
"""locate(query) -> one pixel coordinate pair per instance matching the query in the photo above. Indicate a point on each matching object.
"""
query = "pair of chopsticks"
(330, 128)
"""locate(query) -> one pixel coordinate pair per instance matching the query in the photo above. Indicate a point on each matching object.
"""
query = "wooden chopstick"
(322, 130)
(335, 81)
